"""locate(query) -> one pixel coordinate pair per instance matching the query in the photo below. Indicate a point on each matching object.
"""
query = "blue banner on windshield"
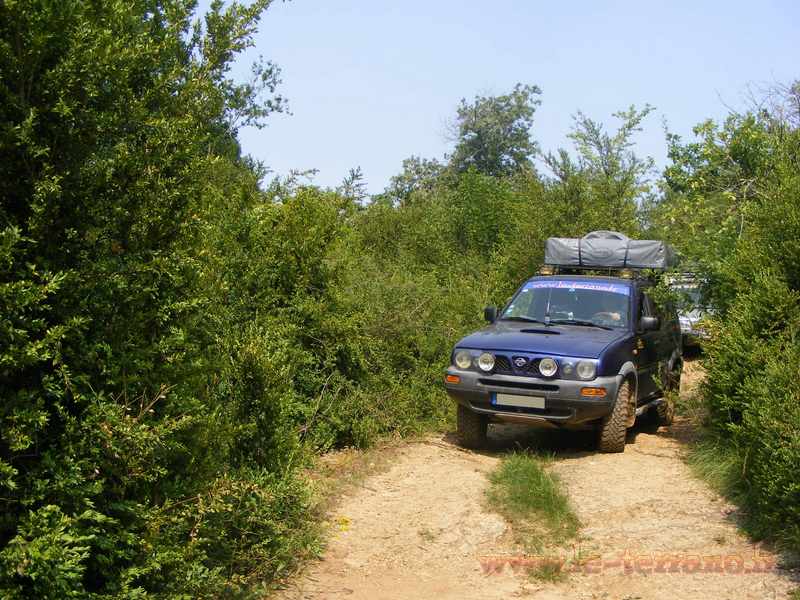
(598, 286)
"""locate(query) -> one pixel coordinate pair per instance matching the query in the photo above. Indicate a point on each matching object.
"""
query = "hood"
(692, 316)
(533, 338)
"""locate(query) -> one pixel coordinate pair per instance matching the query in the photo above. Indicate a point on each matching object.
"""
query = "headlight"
(586, 369)
(548, 367)
(486, 362)
(463, 359)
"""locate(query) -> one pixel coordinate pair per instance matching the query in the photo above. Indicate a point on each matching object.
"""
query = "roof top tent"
(607, 250)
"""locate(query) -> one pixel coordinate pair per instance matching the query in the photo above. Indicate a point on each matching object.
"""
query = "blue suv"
(573, 351)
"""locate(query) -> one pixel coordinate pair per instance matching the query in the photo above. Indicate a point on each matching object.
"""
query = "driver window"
(522, 304)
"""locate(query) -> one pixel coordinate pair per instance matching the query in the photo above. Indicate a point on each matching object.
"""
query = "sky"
(370, 83)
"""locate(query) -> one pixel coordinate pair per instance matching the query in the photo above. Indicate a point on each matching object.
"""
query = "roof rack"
(621, 272)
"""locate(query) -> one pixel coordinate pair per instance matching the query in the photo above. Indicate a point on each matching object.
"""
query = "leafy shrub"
(769, 442)
(143, 426)
(743, 342)
(736, 191)
(49, 552)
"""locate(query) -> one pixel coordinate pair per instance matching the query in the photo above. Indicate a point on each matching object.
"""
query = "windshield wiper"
(580, 322)
(523, 318)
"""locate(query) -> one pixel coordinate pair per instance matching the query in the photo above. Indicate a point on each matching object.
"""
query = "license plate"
(520, 401)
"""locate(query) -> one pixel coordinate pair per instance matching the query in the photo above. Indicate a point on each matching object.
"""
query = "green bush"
(49, 551)
(768, 439)
(736, 192)
(743, 342)
(146, 446)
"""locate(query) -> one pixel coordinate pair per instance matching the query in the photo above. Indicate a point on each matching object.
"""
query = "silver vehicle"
(692, 312)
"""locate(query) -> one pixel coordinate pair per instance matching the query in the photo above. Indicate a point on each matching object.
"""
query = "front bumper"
(564, 405)
(693, 334)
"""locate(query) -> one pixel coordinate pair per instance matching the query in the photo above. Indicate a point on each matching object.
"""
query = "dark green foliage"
(139, 423)
(769, 435)
(745, 341)
(418, 174)
(607, 171)
(736, 193)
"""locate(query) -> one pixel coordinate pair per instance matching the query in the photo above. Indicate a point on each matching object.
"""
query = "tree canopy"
(493, 133)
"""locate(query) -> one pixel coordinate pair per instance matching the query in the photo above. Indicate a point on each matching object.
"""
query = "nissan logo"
(520, 361)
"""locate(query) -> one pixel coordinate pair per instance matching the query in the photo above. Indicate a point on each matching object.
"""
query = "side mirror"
(490, 313)
(649, 323)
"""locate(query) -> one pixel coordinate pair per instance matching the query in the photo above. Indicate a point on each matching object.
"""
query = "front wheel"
(471, 427)
(611, 435)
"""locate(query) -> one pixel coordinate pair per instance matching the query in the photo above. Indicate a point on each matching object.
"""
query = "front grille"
(531, 368)
(502, 365)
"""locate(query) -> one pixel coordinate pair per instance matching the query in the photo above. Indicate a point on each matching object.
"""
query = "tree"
(607, 170)
(492, 133)
(710, 186)
(418, 175)
(353, 187)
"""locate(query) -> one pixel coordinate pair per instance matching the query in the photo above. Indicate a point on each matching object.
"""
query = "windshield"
(601, 303)
(691, 298)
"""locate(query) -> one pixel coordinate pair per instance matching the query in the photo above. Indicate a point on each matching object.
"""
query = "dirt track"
(422, 529)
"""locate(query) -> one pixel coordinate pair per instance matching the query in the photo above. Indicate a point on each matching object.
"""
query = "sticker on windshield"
(598, 286)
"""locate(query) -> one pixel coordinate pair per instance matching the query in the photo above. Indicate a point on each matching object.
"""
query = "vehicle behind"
(693, 309)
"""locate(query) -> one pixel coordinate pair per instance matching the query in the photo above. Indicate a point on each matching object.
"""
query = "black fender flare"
(628, 369)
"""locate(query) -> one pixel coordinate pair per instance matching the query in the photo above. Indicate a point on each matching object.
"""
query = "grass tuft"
(719, 465)
(530, 498)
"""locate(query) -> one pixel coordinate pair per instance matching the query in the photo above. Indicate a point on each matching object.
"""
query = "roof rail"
(621, 272)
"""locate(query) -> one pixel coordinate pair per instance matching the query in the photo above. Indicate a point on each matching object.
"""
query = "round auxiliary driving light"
(548, 367)
(486, 362)
(586, 369)
(463, 359)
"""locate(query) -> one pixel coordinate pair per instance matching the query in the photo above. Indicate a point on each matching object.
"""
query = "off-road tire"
(611, 434)
(664, 412)
(471, 427)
